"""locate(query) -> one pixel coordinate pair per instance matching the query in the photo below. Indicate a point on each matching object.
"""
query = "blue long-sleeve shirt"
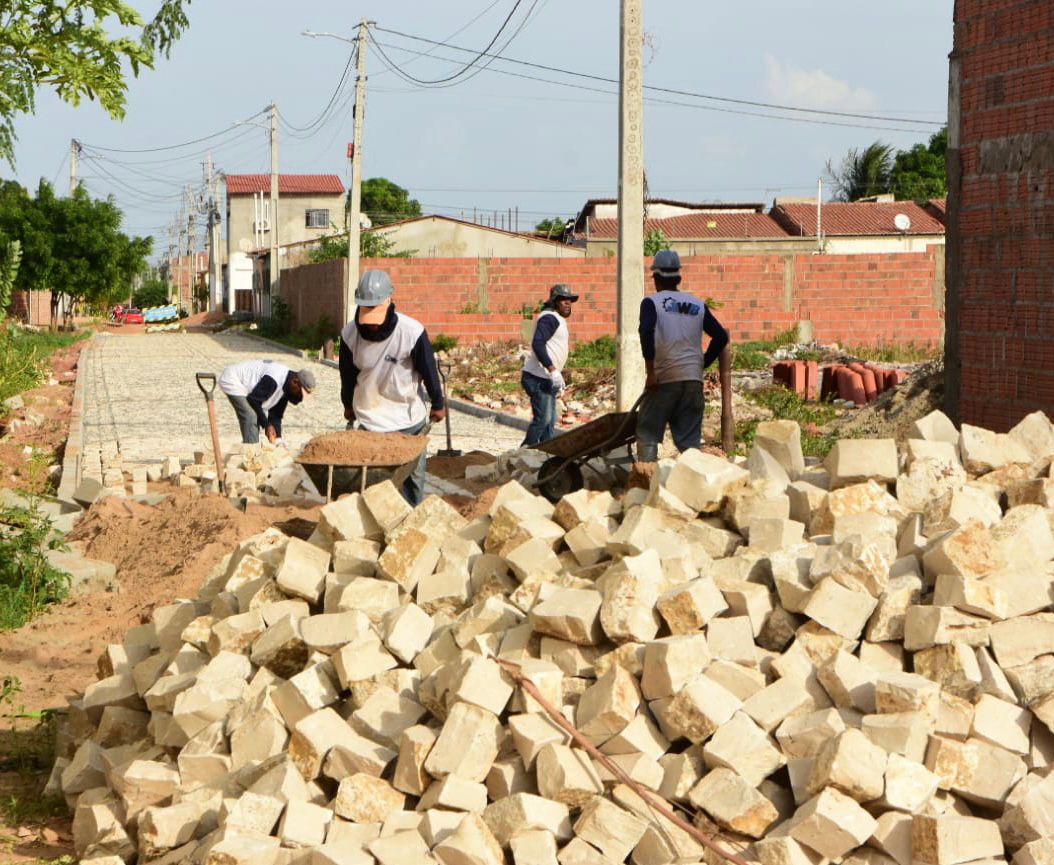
(711, 327)
(543, 332)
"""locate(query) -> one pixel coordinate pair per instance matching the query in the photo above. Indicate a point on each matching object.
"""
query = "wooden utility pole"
(355, 154)
(276, 278)
(75, 151)
(213, 211)
(630, 372)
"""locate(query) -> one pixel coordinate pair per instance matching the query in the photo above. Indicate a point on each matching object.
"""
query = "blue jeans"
(543, 409)
(246, 419)
(679, 404)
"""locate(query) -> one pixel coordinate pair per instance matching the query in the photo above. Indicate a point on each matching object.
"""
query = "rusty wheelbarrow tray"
(336, 479)
(562, 472)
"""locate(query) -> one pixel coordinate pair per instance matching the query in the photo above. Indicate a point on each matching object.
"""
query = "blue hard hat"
(666, 263)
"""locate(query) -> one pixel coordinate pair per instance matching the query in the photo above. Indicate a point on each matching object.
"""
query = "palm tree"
(863, 173)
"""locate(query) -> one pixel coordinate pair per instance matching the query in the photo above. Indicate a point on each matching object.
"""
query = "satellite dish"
(902, 221)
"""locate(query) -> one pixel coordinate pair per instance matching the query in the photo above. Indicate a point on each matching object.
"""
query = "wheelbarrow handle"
(206, 377)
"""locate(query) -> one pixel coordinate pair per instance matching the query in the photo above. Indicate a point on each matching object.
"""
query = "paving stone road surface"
(141, 399)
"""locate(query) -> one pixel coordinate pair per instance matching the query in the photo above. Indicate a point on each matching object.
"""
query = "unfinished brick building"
(1000, 240)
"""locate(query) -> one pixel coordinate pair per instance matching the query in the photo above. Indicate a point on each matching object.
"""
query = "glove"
(279, 443)
(557, 379)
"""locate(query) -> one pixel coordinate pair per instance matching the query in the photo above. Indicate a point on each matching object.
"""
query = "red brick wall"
(1001, 212)
(31, 306)
(856, 299)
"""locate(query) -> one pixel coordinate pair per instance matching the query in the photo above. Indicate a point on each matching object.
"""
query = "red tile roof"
(699, 226)
(288, 184)
(855, 218)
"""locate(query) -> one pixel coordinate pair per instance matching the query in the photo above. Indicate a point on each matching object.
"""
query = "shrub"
(444, 342)
(27, 580)
(601, 352)
(152, 293)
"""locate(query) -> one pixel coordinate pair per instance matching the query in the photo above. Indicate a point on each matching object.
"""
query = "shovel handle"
(206, 377)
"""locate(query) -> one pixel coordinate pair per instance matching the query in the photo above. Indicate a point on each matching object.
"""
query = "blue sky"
(495, 141)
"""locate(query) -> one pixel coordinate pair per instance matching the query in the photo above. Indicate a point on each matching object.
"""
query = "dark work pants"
(679, 404)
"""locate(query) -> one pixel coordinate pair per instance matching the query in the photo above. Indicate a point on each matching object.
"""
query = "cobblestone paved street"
(141, 399)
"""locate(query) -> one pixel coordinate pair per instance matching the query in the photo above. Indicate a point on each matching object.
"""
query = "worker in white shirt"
(543, 370)
(260, 390)
(672, 326)
(388, 370)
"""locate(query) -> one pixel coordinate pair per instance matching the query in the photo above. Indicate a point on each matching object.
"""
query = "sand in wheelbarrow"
(362, 448)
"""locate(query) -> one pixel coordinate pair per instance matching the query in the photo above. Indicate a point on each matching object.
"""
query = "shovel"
(209, 378)
(449, 450)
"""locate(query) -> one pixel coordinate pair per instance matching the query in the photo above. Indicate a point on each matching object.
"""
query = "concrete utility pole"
(215, 265)
(629, 380)
(276, 279)
(75, 151)
(355, 204)
(190, 247)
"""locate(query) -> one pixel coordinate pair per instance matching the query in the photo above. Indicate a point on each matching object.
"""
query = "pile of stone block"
(848, 662)
(261, 472)
(522, 465)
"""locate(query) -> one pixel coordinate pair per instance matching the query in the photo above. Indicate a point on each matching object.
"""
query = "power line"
(668, 90)
(653, 100)
(323, 118)
(424, 82)
(182, 144)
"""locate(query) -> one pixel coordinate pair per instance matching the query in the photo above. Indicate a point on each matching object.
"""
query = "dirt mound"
(891, 415)
(362, 448)
(161, 553)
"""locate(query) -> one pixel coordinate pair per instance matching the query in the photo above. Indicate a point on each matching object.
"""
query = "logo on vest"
(391, 359)
(681, 307)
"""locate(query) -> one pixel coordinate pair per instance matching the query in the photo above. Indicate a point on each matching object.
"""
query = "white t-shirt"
(239, 379)
(389, 393)
(556, 346)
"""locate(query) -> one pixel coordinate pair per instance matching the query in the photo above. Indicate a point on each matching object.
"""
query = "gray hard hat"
(375, 287)
(562, 291)
(666, 263)
(307, 379)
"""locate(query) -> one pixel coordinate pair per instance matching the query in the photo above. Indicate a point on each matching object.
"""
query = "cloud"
(814, 88)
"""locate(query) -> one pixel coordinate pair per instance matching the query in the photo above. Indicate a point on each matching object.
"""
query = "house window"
(317, 218)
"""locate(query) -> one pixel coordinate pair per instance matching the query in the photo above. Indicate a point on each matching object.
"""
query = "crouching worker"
(260, 390)
(387, 368)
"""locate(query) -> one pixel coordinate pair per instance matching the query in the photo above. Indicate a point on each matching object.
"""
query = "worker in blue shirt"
(672, 325)
(543, 376)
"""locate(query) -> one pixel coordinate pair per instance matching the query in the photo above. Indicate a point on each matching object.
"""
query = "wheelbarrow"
(336, 479)
(562, 472)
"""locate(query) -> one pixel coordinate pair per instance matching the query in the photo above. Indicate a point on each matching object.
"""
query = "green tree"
(153, 292)
(372, 244)
(551, 228)
(10, 257)
(920, 174)
(655, 240)
(68, 45)
(385, 202)
(862, 172)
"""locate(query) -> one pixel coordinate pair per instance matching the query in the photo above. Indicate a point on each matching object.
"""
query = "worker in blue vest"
(672, 326)
(260, 390)
(388, 370)
(543, 370)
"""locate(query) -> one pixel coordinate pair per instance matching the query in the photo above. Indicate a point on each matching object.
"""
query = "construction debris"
(848, 661)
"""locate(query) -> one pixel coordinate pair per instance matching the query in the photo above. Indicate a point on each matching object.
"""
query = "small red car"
(132, 316)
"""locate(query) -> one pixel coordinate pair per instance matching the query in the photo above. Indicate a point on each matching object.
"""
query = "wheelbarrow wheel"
(566, 480)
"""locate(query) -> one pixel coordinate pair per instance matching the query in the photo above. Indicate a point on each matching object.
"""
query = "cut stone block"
(854, 461)
(566, 775)
(414, 745)
(907, 692)
(909, 785)
(569, 614)
(523, 812)
(407, 630)
(609, 828)
(533, 731)
(670, 663)
(849, 682)
(608, 706)
(742, 746)
(832, 824)
(970, 596)
(780, 700)
(771, 534)
(935, 427)
(630, 590)
(952, 665)
(408, 558)
(983, 451)
(782, 439)
(357, 557)
(732, 639)
(702, 481)
(733, 803)
(280, 648)
(349, 519)
(454, 794)
(969, 550)
(314, 736)
(951, 839)
(851, 763)
(482, 682)
(841, 610)
(640, 736)
(467, 745)
(1002, 723)
(804, 735)
(698, 709)
(363, 798)
(304, 824)
(369, 596)
(688, 607)
(472, 843)
(1023, 639)
(303, 570)
(385, 715)
(361, 659)
(538, 847)
(926, 626)
(308, 691)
